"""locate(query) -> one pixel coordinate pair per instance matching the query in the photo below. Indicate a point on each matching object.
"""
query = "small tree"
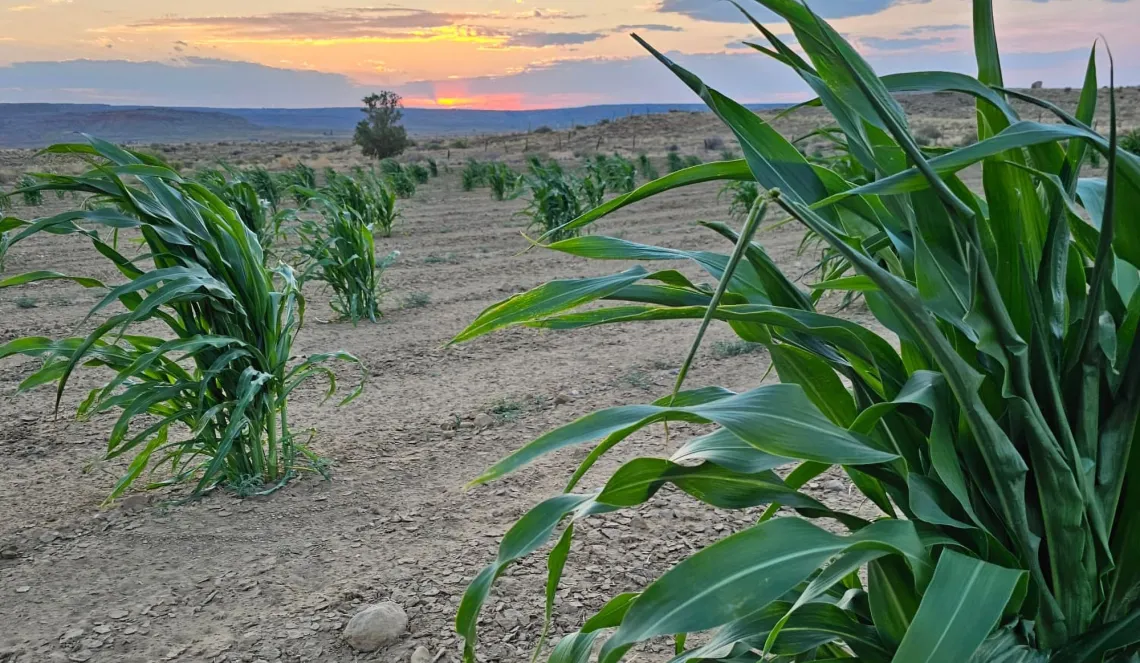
(380, 134)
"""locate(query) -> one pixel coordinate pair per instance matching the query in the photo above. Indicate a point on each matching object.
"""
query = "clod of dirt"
(834, 486)
(376, 626)
(561, 399)
(484, 420)
(421, 655)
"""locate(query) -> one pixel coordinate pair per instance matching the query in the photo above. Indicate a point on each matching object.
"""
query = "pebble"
(376, 626)
(23, 589)
(484, 420)
(73, 634)
(118, 614)
(834, 486)
(561, 399)
(421, 655)
(48, 537)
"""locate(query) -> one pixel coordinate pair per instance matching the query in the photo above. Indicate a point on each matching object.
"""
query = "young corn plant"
(299, 180)
(503, 181)
(206, 402)
(674, 162)
(366, 197)
(267, 186)
(419, 173)
(995, 435)
(30, 195)
(340, 250)
(5, 242)
(474, 175)
(555, 199)
(645, 168)
(742, 197)
(257, 213)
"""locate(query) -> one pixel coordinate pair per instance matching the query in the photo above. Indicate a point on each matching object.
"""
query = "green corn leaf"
(958, 611)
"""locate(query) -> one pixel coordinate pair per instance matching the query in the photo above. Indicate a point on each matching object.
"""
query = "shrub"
(340, 250)
(544, 130)
(209, 401)
(992, 427)
(459, 144)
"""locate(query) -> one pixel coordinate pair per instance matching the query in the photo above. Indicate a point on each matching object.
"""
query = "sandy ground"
(226, 579)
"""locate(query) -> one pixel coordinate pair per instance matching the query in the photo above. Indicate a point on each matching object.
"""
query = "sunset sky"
(507, 54)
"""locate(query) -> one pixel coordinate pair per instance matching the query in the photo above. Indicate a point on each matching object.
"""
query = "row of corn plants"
(206, 402)
(993, 429)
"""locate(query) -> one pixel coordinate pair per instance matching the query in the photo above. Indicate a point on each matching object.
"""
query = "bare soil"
(154, 578)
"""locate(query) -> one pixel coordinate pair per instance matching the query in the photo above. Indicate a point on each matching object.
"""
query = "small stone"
(48, 537)
(80, 656)
(9, 553)
(23, 589)
(102, 629)
(376, 626)
(561, 399)
(421, 655)
(484, 420)
(269, 652)
(118, 614)
(132, 503)
(71, 635)
(834, 486)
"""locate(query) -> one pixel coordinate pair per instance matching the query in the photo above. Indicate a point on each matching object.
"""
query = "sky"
(502, 54)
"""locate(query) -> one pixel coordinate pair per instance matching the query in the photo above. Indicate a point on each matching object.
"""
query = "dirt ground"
(276, 578)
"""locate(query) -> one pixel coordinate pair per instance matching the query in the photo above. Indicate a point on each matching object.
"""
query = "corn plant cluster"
(617, 173)
(208, 402)
(556, 197)
(339, 247)
(994, 435)
(474, 175)
(398, 178)
(255, 204)
(29, 194)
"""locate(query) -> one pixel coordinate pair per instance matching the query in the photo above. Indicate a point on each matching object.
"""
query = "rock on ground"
(376, 626)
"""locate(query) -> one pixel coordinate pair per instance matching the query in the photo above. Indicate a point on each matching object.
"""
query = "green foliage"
(31, 196)
(398, 179)
(25, 302)
(730, 349)
(992, 425)
(555, 198)
(474, 175)
(207, 402)
(300, 180)
(417, 300)
(365, 197)
(380, 135)
(692, 160)
(339, 249)
(742, 196)
(645, 168)
(240, 195)
(616, 172)
(502, 179)
(1131, 141)
(673, 161)
(5, 242)
(433, 167)
(267, 186)
(419, 173)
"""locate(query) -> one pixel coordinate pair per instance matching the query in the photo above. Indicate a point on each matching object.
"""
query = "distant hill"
(37, 125)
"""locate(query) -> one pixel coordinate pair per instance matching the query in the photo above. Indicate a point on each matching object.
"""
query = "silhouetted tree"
(380, 134)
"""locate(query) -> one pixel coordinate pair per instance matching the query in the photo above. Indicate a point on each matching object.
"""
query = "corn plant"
(995, 438)
(340, 250)
(419, 173)
(266, 185)
(674, 162)
(29, 193)
(503, 181)
(255, 211)
(5, 242)
(399, 180)
(645, 168)
(1131, 141)
(298, 180)
(208, 401)
(365, 196)
(615, 172)
(742, 197)
(433, 167)
(474, 175)
(555, 198)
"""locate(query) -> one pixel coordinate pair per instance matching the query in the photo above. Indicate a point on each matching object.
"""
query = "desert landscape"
(152, 576)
